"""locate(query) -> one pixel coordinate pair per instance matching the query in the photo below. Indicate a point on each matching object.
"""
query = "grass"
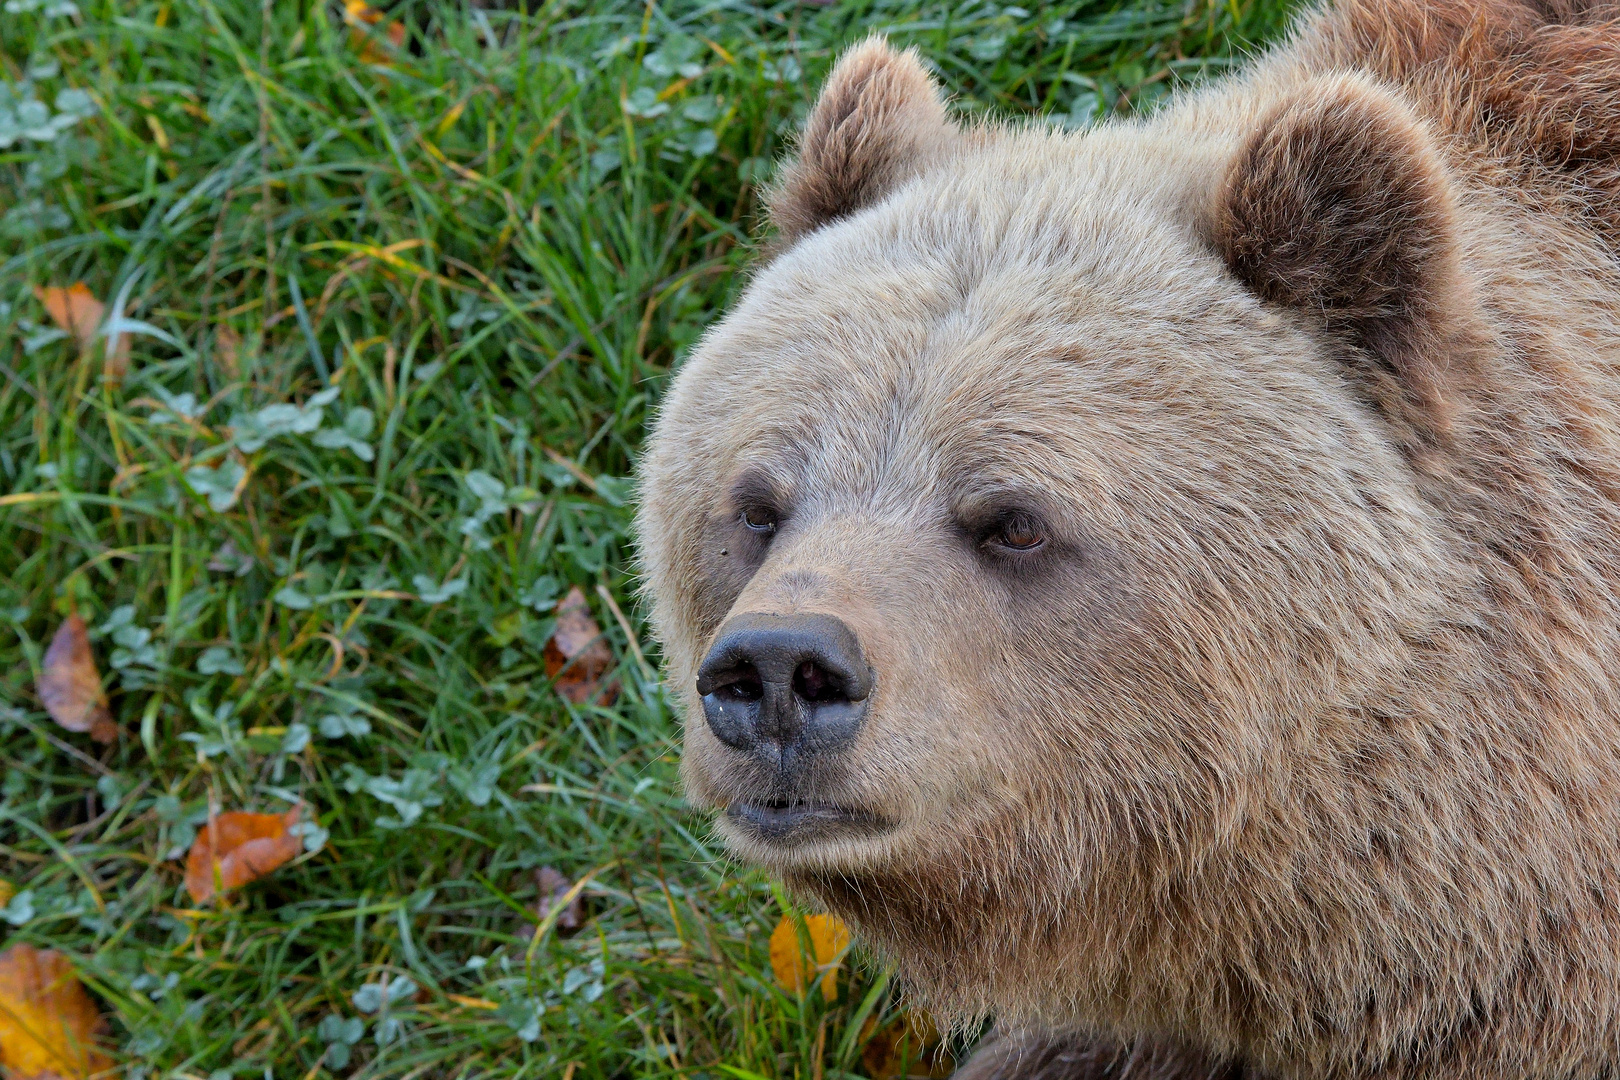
(493, 242)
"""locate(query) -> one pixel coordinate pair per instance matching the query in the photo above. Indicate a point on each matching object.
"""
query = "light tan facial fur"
(1298, 743)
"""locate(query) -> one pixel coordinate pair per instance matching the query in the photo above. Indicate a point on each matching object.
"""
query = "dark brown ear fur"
(1340, 207)
(1532, 81)
(878, 122)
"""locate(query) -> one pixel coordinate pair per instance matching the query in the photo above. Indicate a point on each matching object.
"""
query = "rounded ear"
(879, 121)
(1340, 207)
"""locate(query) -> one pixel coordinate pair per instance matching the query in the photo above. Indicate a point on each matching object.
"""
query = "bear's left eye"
(1017, 532)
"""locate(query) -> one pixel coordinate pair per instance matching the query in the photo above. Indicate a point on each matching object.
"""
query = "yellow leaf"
(909, 1045)
(450, 119)
(48, 1024)
(237, 848)
(7, 891)
(70, 685)
(829, 940)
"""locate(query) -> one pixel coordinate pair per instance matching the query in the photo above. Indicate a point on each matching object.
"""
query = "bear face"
(1077, 492)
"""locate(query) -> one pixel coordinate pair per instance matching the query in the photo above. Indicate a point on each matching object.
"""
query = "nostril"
(816, 684)
(741, 683)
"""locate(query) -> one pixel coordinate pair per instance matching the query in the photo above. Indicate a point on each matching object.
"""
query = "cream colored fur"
(1302, 747)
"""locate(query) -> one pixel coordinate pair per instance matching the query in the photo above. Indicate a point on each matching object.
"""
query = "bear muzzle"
(790, 693)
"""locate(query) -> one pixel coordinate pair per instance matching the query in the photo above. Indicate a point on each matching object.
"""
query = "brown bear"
(1161, 584)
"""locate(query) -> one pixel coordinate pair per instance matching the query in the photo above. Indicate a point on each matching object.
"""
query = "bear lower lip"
(780, 819)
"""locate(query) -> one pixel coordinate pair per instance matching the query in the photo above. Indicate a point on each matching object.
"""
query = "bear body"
(1162, 584)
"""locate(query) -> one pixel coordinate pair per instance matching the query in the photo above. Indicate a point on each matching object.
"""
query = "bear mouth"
(782, 820)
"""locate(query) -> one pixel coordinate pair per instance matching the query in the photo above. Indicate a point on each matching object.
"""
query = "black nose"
(785, 685)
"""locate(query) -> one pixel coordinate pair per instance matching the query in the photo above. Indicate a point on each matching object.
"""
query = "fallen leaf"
(576, 655)
(48, 1024)
(70, 685)
(75, 309)
(361, 16)
(909, 1045)
(239, 847)
(829, 940)
(554, 885)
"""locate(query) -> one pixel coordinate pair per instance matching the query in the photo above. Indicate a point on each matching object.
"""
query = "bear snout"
(785, 688)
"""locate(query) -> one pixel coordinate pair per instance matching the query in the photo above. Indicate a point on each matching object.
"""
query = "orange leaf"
(76, 310)
(907, 1046)
(70, 685)
(360, 16)
(240, 847)
(829, 940)
(48, 1024)
(576, 655)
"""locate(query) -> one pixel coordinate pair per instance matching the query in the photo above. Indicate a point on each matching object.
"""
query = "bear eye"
(759, 519)
(1017, 532)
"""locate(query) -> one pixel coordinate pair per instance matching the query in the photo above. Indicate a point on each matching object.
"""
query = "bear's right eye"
(759, 519)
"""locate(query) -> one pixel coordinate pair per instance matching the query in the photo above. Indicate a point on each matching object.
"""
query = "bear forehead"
(1028, 307)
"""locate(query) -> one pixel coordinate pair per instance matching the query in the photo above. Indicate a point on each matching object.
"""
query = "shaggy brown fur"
(1533, 86)
(1295, 749)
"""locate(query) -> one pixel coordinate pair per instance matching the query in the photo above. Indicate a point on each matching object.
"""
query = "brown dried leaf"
(577, 656)
(48, 1024)
(907, 1046)
(228, 351)
(554, 885)
(240, 847)
(70, 685)
(75, 309)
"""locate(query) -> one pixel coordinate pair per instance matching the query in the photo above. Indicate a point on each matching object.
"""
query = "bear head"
(1048, 513)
